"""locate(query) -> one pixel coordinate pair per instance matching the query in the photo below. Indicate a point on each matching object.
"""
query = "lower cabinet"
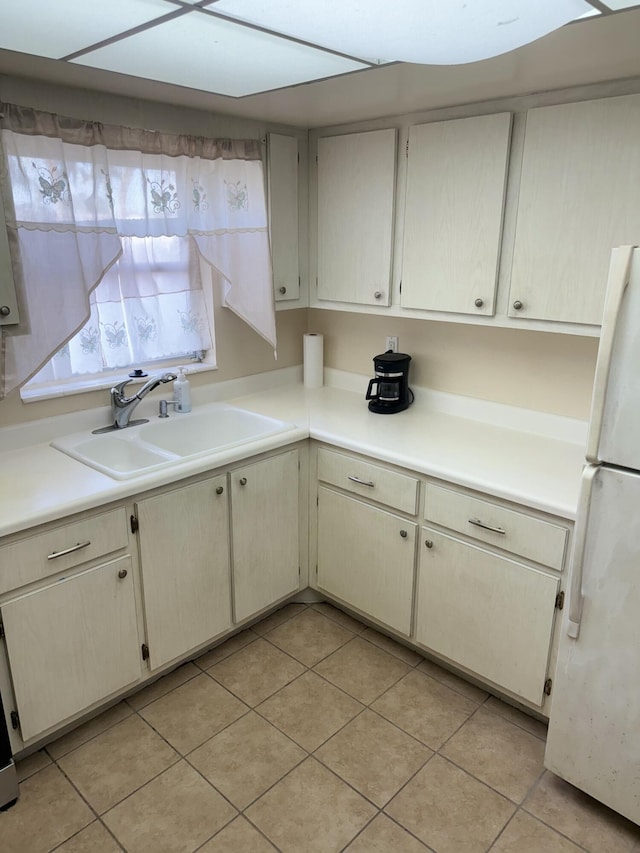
(366, 558)
(71, 644)
(487, 613)
(184, 558)
(264, 533)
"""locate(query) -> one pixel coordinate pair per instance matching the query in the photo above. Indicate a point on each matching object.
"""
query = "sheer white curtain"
(80, 196)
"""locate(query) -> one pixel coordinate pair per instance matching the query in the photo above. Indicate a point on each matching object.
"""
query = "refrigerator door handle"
(576, 597)
(619, 273)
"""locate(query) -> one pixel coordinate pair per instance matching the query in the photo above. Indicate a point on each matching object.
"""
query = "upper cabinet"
(456, 178)
(356, 187)
(283, 215)
(578, 199)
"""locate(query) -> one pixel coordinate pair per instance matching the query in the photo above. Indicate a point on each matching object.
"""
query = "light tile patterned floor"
(307, 732)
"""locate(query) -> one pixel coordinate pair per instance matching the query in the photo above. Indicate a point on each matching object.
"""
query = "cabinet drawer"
(514, 531)
(44, 554)
(370, 481)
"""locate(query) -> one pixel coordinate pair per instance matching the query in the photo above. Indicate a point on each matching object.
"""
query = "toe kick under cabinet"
(474, 581)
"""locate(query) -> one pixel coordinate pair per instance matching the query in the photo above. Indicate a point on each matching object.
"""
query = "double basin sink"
(136, 450)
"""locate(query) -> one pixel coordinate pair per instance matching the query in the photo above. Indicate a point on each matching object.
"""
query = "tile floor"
(308, 732)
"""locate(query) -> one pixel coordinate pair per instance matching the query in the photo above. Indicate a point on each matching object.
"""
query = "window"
(148, 307)
(109, 228)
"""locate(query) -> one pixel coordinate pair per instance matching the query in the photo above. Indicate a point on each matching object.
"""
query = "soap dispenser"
(182, 392)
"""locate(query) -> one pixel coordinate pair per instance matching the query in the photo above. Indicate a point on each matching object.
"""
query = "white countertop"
(434, 437)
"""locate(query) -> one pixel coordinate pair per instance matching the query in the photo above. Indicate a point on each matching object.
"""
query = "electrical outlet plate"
(392, 343)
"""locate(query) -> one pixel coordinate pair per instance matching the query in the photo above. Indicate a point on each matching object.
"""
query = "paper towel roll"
(313, 346)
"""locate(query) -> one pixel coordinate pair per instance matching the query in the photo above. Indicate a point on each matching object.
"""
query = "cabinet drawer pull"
(243, 481)
(404, 534)
(219, 490)
(428, 543)
(484, 526)
(361, 482)
(122, 574)
(73, 548)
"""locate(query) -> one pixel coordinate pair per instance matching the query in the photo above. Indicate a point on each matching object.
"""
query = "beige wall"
(536, 370)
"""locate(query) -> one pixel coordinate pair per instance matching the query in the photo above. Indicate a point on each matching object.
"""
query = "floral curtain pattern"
(82, 198)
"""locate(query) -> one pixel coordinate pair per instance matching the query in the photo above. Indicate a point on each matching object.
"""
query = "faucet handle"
(118, 390)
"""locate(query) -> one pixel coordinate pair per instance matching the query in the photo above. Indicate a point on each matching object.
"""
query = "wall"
(536, 370)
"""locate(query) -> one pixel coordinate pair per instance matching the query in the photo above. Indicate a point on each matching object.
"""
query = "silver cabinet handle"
(282, 289)
(5, 310)
(484, 526)
(243, 481)
(479, 302)
(73, 548)
(361, 482)
(378, 294)
(518, 305)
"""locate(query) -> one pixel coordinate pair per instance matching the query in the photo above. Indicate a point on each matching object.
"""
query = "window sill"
(71, 387)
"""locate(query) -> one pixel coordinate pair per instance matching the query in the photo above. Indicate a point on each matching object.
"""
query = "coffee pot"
(389, 391)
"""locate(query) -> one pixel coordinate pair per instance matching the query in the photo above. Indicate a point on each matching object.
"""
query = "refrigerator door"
(615, 409)
(594, 729)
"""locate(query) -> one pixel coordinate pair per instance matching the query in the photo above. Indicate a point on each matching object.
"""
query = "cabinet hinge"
(135, 524)
(406, 149)
(547, 687)
(15, 720)
(299, 282)
(298, 155)
(145, 651)
(400, 285)
(1, 631)
(560, 600)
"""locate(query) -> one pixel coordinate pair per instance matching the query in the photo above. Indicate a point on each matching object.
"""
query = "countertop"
(518, 457)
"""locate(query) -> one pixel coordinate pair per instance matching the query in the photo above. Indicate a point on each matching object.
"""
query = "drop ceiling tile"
(56, 30)
(203, 52)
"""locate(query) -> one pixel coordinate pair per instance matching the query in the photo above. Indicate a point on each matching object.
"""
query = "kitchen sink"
(139, 450)
(201, 432)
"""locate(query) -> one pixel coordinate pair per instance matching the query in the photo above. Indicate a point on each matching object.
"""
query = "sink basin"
(201, 432)
(142, 449)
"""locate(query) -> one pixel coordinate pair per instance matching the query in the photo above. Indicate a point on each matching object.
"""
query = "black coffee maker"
(389, 391)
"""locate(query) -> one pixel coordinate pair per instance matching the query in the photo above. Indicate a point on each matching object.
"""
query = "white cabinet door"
(489, 614)
(578, 199)
(356, 185)
(184, 554)
(265, 537)
(453, 217)
(366, 558)
(72, 644)
(283, 215)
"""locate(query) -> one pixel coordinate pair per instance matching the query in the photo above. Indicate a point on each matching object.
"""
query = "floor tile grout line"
(412, 834)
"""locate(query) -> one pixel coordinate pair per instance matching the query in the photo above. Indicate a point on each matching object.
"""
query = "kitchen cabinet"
(356, 186)
(8, 298)
(366, 554)
(264, 533)
(578, 199)
(283, 215)
(456, 178)
(480, 604)
(184, 563)
(72, 643)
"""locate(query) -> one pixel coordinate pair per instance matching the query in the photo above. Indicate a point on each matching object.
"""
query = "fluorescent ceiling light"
(433, 32)
(57, 29)
(203, 52)
(617, 5)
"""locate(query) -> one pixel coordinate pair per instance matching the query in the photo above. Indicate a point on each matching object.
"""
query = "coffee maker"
(389, 391)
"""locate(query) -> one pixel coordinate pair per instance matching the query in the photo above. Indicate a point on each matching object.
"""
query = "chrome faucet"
(122, 407)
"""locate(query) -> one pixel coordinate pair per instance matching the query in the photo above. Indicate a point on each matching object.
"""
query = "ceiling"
(593, 50)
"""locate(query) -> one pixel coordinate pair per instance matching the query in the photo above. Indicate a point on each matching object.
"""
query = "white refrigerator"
(594, 728)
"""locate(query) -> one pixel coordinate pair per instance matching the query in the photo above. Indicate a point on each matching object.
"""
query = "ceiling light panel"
(202, 52)
(617, 5)
(435, 32)
(57, 29)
